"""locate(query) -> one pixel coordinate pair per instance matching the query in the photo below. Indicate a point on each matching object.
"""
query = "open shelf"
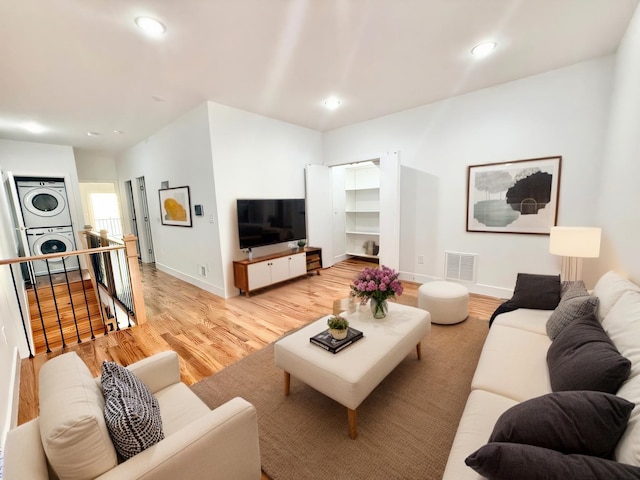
(363, 255)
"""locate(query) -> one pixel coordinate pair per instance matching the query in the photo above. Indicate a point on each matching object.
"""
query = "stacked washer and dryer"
(47, 221)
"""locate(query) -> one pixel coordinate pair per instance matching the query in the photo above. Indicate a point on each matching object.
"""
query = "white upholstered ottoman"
(350, 375)
(447, 302)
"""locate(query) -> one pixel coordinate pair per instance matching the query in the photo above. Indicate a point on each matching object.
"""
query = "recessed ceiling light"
(93, 134)
(118, 132)
(33, 127)
(483, 49)
(332, 103)
(151, 26)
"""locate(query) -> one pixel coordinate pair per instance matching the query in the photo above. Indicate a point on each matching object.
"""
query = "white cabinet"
(259, 275)
(262, 272)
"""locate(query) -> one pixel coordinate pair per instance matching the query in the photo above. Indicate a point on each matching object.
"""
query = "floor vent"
(460, 266)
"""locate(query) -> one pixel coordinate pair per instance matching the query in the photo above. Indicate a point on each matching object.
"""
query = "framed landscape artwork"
(514, 197)
(175, 206)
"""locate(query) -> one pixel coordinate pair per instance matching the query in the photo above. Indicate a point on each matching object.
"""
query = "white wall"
(180, 153)
(255, 157)
(222, 154)
(95, 166)
(562, 112)
(618, 212)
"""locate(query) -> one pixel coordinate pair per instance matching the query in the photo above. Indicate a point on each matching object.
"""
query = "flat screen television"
(269, 221)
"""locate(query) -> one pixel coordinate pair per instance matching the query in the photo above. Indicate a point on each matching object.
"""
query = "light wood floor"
(209, 332)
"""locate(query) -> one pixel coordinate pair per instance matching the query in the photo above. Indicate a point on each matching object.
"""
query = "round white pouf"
(447, 302)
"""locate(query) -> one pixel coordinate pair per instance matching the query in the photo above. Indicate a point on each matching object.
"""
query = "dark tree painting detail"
(531, 193)
(501, 195)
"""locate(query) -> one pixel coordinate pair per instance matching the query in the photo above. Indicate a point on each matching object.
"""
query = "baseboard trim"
(10, 419)
(192, 280)
(477, 288)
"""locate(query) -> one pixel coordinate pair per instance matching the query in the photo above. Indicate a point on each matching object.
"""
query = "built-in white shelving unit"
(362, 208)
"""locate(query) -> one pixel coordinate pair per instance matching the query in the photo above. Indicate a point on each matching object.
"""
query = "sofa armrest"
(158, 371)
(221, 445)
(24, 456)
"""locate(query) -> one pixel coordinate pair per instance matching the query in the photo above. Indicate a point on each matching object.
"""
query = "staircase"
(87, 314)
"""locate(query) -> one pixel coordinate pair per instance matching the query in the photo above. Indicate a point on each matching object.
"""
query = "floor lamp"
(574, 244)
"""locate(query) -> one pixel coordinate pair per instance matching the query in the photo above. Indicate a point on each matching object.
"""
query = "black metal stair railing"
(57, 305)
(112, 273)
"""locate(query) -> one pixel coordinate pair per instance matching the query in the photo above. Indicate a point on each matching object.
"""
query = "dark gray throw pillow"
(575, 303)
(589, 423)
(131, 412)
(539, 292)
(510, 461)
(582, 357)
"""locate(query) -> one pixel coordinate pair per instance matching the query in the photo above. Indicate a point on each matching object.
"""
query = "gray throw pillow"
(584, 422)
(582, 357)
(509, 461)
(565, 285)
(131, 412)
(575, 303)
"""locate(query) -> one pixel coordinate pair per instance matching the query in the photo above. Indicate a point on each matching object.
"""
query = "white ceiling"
(82, 65)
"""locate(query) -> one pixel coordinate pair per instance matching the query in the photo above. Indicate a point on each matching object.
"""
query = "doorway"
(101, 207)
(131, 208)
(146, 224)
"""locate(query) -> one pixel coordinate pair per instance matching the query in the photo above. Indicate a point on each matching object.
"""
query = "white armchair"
(70, 439)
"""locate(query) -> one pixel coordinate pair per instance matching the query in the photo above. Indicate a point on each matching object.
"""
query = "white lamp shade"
(580, 242)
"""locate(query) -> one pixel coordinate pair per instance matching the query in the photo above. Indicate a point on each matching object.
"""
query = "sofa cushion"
(512, 364)
(525, 319)
(609, 289)
(582, 357)
(540, 292)
(589, 423)
(575, 303)
(479, 416)
(131, 412)
(622, 324)
(509, 461)
(179, 407)
(72, 426)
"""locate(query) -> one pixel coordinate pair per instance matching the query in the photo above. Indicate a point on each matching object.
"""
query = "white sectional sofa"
(70, 440)
(513, 369)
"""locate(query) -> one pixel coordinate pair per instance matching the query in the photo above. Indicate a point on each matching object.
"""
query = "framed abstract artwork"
(514, 197)
(175, 206)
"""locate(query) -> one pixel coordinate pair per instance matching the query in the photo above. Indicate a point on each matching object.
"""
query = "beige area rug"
(405, 427)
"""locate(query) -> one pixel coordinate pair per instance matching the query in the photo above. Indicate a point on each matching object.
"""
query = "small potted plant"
(338, 327)
(301, 243)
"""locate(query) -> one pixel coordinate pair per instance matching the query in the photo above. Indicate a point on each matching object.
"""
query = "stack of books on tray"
(326, 341)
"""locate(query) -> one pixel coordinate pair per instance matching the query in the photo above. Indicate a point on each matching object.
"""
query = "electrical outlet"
(202, 270)
(420, 259)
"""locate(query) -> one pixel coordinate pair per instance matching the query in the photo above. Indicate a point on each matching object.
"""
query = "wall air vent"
(460, 266)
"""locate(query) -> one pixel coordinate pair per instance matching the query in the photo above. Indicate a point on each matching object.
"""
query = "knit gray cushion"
(575, 303)
(131, 412)
(565, 285)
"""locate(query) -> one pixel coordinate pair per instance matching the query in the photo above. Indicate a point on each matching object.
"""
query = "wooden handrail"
(10, 261)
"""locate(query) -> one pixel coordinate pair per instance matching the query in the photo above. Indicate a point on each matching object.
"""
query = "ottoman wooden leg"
(419, 350)
(287, 383)
(353, 424)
